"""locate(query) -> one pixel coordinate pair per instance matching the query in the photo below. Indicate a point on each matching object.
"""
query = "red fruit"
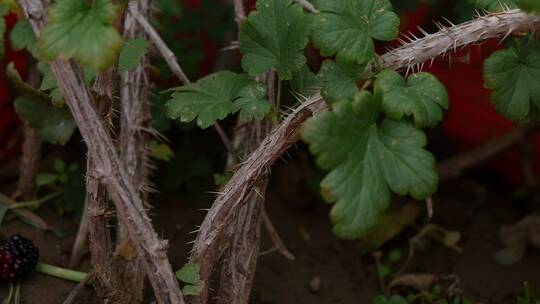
(7, 273)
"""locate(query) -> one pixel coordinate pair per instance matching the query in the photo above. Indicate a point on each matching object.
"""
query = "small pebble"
(315, 284)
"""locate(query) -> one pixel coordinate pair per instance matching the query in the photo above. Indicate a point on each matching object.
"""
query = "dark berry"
(18, 257)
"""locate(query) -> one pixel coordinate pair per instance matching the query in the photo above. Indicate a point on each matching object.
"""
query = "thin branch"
(453, 167)
(239, 12)
(167, 54)
(29, 163)
(224, 138)
(31, 151)
(308, 6)
(274, 235)
(110, 171)
(172, 61)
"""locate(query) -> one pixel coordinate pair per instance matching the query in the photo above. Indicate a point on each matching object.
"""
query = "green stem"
(62, 273)
(10, 295)
(17, 298)
(278, 101)
(34, 203)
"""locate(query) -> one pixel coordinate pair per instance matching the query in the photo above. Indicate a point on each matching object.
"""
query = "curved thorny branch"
(412, 56)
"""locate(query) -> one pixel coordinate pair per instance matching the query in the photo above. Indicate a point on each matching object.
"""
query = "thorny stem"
(110, 170)
(135, 116)
(61, 273)
(166, 53)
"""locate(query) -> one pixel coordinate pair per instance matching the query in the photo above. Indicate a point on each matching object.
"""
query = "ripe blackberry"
(18, 257)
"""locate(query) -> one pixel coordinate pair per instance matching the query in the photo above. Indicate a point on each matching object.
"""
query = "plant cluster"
(369, 134)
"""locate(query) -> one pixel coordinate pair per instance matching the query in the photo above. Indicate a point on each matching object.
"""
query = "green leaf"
(252, 103)
(55, 125)
(160, 151)
(305, 82)
(59, 165)
(394, 256)
(422, 95)
(514, 76)
(193, 290)
(395, 299)
(347, 27)
(209, 99)
(49, 84)
(532, 6)
(494, 5)
(367, 160)
(189, 273)
(338, 80)
(22, 37)
(131, 53)
(43, 179)
(82, 30)
(274, 36)
(384, 271)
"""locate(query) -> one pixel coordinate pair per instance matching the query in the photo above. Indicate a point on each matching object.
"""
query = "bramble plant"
(363, 114)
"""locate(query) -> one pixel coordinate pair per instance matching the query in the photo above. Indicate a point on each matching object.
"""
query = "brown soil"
(346, 276)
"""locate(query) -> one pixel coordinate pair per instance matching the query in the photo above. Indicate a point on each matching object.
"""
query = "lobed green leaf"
(305, 82)
(514, 76)
(367, 159)
(252, 103)
(346, 28)
(422, 96)
(338, 80)
(55, 125)
(131, 53)
(22, 37)
(82, 30)
(208, 100)
(274, 36)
